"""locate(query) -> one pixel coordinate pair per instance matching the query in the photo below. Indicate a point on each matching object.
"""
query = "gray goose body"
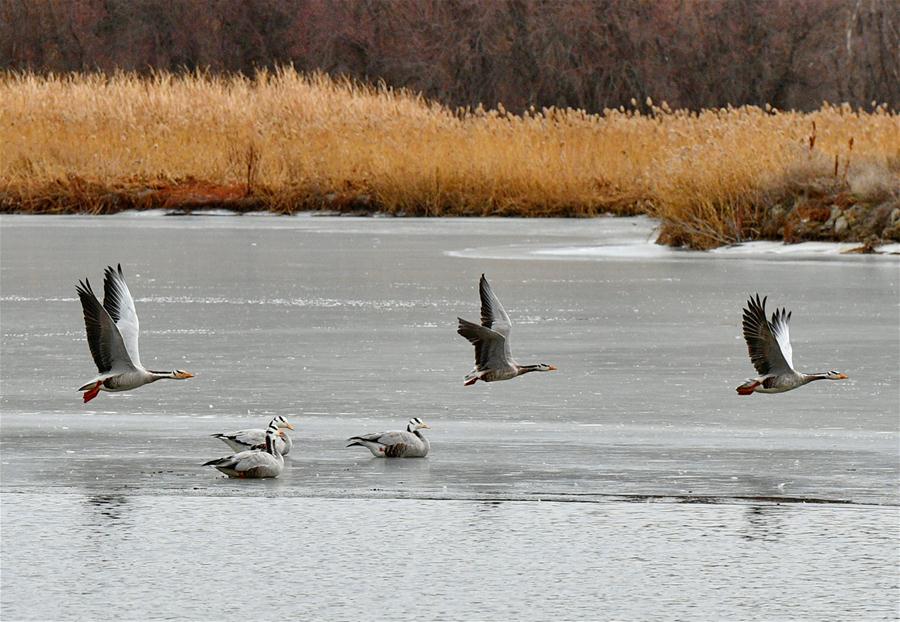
(253, 463)
(409, 443)
(493, 357)
(769, 346)
(242, 440)
(112, 334)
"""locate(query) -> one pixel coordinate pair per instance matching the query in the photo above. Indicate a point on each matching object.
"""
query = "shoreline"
(831, 218)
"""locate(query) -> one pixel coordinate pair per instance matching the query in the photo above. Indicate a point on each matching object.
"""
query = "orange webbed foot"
(92, 392)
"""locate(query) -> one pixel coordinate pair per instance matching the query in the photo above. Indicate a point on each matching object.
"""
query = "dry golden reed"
(286, 141)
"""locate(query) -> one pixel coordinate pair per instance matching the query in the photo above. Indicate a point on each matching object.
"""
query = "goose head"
(416, 424)
(524, 369)
(281, 422)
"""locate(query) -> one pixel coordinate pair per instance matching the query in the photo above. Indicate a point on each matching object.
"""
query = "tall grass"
(286, 141)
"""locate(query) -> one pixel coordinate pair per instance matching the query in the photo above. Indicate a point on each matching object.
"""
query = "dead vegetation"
(284, 142)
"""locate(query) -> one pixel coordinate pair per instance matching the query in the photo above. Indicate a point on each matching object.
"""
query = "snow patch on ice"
(780, 248)
(637, 250)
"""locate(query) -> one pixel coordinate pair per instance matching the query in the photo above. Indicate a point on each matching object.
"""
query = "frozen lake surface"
(633, 483)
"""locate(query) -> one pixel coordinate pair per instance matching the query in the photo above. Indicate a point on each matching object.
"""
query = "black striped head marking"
(415, 424)
(271, 432)
(280, 422)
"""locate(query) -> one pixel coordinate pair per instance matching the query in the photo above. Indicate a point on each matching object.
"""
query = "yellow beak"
(290, 427)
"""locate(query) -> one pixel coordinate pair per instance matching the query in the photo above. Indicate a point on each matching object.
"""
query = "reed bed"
(284, 141)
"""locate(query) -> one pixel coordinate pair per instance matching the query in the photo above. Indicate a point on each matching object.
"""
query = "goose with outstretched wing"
(769, 345)
(112, 335)
(493, 358)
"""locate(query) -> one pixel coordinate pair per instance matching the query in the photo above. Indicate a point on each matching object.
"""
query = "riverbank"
(285, 142)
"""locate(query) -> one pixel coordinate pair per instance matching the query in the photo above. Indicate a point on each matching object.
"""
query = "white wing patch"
(118, 302)
(780, 330)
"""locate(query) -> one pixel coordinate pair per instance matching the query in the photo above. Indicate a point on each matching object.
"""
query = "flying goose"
(112, 334)
(769, 344)
(493, 359)
(249, 439)
(253, 463)
(396, 444)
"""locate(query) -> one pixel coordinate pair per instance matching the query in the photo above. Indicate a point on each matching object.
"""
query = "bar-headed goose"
(493, 359)
(112, 334)
(397, 443)
(253, 463)
(769, 344)
(248, 439)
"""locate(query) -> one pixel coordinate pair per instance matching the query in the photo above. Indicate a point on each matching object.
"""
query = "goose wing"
(254, 459)
(769, 345)
(248, 438)
(493, 315)
(389, 439)
(119, 304)
(491, 347)
(104, 338)
(396, 437)
(244, 461)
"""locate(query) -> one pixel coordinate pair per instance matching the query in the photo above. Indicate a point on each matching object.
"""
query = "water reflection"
(404, 473)
(763, 523)
(112, 507)
(108, 516)
(486, 506)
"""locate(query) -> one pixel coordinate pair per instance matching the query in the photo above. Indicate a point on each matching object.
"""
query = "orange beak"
(552, 367)
(842, 376)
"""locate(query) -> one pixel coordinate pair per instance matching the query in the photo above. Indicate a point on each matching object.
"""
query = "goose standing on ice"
(493, 359)
(397, 443)
(112, 334)
(253, 463)
(248, 439)
(770, 349)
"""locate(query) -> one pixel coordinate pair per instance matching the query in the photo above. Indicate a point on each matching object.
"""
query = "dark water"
(683, 493)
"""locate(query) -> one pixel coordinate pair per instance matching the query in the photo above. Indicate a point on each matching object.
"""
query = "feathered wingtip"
(755, 305)
(111, 272)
